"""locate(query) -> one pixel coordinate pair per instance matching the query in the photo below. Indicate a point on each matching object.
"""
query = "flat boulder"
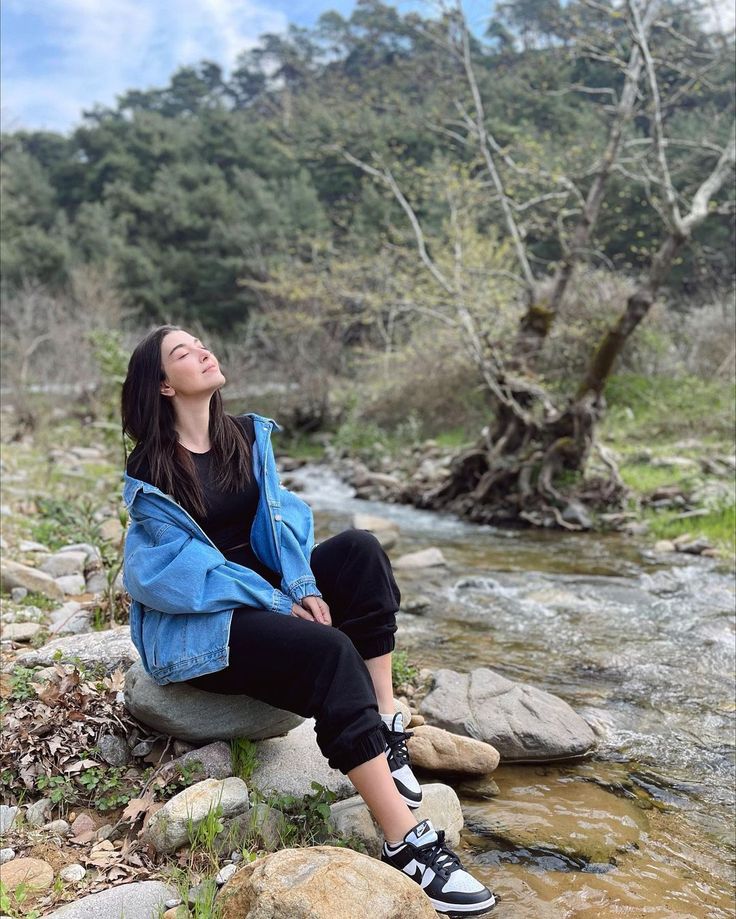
(192, 714)
(424, 558)
(14, 574)
(142, 900)
(322, 882)
(523, 723)
(111, 648)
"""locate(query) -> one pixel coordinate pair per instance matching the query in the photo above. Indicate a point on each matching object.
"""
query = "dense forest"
(185, 194)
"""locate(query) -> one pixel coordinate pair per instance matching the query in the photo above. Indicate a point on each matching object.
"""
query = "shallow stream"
(643, 647)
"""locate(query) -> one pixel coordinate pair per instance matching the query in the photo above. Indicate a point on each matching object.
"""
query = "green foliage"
(645, 408)
(188, 190)
(308, 818)
(202, 835)
(111, 358)
(20, 683)
(12, 902)
(106, 787)
(244, 754)
(60, 789)
(61, 521)
(402, 671)
(718, 526)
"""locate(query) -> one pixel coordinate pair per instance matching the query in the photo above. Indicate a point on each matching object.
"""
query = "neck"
(193, 423)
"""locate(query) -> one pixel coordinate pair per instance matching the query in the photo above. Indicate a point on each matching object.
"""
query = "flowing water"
(644, 648)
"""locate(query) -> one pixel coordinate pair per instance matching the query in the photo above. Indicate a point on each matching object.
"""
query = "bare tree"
(514, 470)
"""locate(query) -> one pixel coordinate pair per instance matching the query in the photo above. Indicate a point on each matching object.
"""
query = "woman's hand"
(313, 609)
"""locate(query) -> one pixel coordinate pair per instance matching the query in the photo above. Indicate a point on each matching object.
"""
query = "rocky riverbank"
(114, 789)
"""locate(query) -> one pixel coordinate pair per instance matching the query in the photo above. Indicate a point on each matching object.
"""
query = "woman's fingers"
(301, 613)
(318, 608)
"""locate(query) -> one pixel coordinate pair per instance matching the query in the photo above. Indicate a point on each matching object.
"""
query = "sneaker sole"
(471, 909)
(409, 803)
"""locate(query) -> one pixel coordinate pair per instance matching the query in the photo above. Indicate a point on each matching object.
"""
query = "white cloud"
(93, 51)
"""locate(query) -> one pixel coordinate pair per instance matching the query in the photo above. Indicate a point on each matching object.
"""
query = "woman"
(230, 594)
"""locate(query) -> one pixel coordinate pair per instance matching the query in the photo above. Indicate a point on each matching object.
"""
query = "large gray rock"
(111, 648)
(288, 765)
(439, 804)
(425, 558)
(192, 714)
(171, 826)
(13, 574)
(140, 900)
(523, 723)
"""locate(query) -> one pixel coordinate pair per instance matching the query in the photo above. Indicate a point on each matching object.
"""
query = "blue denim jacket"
(183, 589)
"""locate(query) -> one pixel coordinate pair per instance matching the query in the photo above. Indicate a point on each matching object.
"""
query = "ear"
(167, 390)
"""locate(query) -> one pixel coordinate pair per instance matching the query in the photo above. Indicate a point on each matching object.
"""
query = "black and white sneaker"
(425, 858)
(398, 761)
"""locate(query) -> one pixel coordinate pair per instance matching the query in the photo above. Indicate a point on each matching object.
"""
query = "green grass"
(718, 527)
(644, 478)
(244, 757)
(645, 409)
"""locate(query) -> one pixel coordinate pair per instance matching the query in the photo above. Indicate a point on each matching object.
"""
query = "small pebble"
(72, 873)
(236, 856)
(224, 874)
(173, 902)
(6, 855)
(18, 594)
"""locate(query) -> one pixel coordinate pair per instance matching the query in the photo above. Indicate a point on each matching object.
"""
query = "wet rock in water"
(664, 545)
(288, 765)
(142, 900)
(33, 873)
(169, 828)
(440, 804)
(555, 812)
(417, 606)
(111, 648)
(322, 882)
(14, 574)
(576, 513)
(523, 723)
(482, 786)
(436, 750)
(425, 558)
(385, 531)
(192, 714)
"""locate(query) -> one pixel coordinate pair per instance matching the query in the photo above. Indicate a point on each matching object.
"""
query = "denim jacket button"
(277, 516)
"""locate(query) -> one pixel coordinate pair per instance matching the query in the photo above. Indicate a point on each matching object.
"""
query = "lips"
(212, 367)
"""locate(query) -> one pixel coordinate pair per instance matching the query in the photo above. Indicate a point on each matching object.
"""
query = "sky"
(62, 56)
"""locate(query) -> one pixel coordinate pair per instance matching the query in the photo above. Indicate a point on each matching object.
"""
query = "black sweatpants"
(315, 670)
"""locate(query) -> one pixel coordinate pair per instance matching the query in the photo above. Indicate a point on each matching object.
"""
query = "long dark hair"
(148, 418)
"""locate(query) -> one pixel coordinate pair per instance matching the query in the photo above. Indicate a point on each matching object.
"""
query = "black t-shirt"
(229, 515)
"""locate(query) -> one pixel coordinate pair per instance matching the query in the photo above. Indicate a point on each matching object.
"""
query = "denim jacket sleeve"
(171, 571)
(297, 539)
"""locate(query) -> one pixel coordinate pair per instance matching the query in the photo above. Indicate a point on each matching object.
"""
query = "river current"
(643, 647)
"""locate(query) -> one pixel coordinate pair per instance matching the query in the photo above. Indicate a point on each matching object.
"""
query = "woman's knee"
(358, 541)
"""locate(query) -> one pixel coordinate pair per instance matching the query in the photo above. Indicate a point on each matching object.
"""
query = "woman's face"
(190, 368)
